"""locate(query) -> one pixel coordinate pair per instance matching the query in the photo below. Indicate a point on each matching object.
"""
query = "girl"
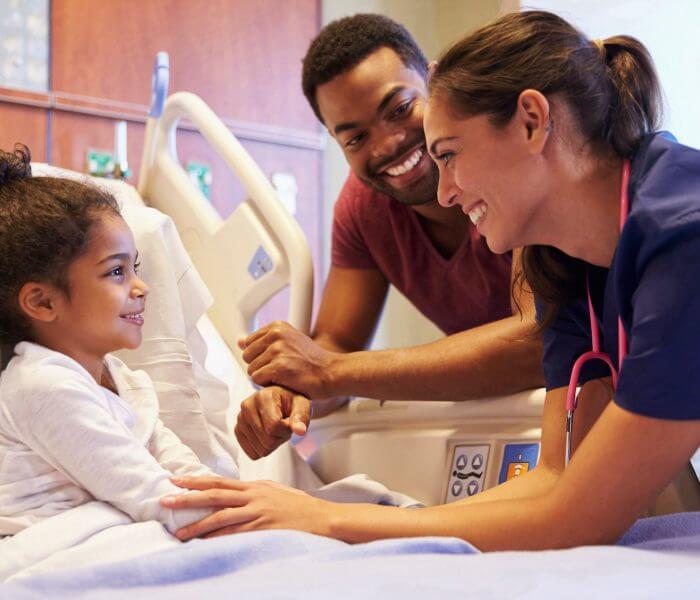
(75, 423)
(546, 140)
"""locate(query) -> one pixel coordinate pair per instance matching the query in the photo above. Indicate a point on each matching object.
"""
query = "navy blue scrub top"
(654, 285)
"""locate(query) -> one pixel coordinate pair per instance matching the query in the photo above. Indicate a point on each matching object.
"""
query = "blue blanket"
(658, 557)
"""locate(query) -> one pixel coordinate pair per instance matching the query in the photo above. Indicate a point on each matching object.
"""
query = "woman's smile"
(476, 212)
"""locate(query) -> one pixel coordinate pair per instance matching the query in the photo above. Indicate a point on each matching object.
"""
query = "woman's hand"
(247, 506)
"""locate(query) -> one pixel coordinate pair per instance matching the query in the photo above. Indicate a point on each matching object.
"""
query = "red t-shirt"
(373, 231)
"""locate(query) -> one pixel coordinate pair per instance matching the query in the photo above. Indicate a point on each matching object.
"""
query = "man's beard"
(424, 190)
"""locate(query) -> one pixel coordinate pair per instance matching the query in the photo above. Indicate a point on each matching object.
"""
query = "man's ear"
(39, 301)
(534, 118)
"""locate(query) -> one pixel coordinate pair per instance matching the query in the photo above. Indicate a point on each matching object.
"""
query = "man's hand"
(278, 354)
(268, 419)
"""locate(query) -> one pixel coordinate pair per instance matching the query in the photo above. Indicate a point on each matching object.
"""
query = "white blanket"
(91, 534)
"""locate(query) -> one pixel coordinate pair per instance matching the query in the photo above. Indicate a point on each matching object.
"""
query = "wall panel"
(242, 57)
(25, 124)
(73, 134)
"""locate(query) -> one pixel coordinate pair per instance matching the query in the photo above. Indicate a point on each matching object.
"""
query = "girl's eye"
(137, 266)
(116, 272)
(353, 141)
(402, 110)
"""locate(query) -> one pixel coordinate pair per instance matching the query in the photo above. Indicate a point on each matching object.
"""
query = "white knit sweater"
(65, 440)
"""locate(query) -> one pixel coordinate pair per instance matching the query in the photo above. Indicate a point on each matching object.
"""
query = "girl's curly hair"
(45, 224)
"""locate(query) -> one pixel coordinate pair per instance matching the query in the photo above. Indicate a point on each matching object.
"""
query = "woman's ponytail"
(635, 99)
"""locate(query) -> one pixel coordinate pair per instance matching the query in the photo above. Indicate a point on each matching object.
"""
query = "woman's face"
(492, 173)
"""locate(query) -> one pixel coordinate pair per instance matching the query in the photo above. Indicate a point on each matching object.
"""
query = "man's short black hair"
(343, 44)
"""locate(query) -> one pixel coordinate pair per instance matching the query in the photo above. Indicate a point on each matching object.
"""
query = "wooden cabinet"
(24, 124)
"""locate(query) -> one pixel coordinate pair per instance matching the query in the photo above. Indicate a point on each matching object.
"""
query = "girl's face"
(105, 309)
(492, 173)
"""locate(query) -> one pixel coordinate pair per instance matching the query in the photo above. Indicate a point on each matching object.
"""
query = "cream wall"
(669, 30)
(434, 24)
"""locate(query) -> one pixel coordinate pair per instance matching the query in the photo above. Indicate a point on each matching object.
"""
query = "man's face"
(375, 112)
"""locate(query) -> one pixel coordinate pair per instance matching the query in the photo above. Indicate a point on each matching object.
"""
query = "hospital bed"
(434, 452)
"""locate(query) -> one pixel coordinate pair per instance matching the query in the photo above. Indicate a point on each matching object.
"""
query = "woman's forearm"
(525, 524)
(513, 515)
(538, 482)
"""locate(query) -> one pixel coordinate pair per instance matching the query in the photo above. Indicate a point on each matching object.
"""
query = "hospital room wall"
(668, 29)
(232, 53)
(434, 24)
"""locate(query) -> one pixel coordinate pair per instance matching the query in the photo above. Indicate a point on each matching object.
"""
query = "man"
(365, 78)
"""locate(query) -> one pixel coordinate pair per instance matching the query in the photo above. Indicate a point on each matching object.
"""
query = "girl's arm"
(173, 455)
(77, 436)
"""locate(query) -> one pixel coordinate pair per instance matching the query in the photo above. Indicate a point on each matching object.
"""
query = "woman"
(539, 134)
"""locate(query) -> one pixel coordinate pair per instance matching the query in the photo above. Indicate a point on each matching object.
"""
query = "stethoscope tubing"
(595, 353)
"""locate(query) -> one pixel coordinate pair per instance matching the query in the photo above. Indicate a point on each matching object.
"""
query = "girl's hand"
(247, 506)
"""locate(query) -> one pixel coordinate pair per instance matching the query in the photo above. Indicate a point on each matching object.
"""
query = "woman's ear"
(39, 301)
(533, 115)
(432, 65)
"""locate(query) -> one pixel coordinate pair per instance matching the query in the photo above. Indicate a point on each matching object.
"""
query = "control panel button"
(518, 459)
(467, 471)
(516, 469)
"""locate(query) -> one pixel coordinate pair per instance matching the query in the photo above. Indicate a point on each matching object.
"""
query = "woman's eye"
(445, 157)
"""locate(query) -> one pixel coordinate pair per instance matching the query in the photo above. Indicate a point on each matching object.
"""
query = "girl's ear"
(39, 301)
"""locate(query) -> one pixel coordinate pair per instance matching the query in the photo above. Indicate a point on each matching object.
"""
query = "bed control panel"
(467, 472)
(261, 263)
(517, 460)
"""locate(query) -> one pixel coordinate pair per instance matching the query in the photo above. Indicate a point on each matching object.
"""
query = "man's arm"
(497, 358)
(350, 308)
(351, 304)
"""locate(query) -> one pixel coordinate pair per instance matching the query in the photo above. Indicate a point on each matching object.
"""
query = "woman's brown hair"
(610, 87)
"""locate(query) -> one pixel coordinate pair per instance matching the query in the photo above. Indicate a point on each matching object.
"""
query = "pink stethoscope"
(595, 353)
